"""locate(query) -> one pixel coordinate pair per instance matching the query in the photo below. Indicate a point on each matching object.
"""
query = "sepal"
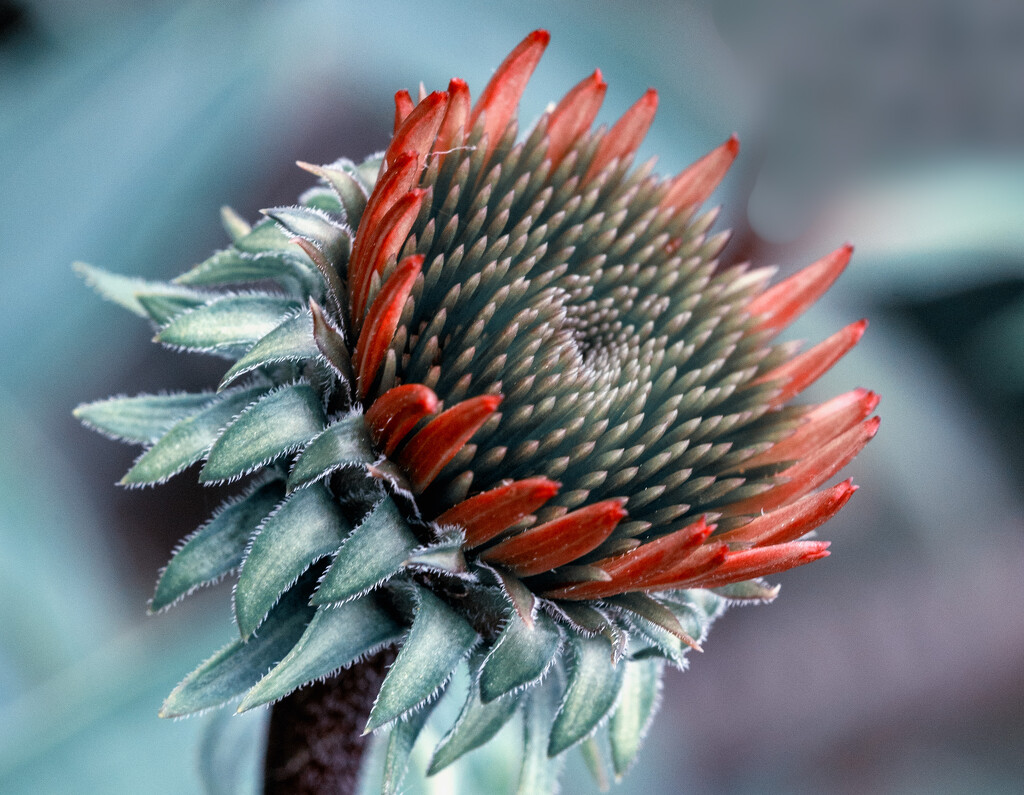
(641, 692)
(595, 679)
(228, 324)
(520, 658)
(343, 443)
(141, 419)
(291, 341)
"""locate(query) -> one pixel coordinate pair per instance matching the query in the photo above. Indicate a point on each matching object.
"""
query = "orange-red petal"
(397, 412)
(418, 129)
(763, 561)
(486, 515)
(626, 135)
(698, 181)
(403, 107)
(792, 521)
(782, 303)
(559, 541)
(435, 445)
(573, 116)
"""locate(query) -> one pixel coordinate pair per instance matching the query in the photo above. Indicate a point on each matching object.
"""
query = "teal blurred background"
(895, 666)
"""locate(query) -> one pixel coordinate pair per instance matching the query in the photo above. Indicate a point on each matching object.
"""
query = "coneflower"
(495, 402)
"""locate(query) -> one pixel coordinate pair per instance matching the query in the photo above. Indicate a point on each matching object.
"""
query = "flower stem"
(316, 742)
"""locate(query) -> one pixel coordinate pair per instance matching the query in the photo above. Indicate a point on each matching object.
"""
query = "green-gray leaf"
(307, 527)
(162, 308)
(141, 419)
(239, 666)
(335, 638)
(125, 290)
(227, 324)
(265, 236)
(291, 341)
(218, 546)
(230, 266)
(349, 190)
(521, 656)
(375, 551)
(344, 443)
(400, 742)
(314, 225)
(189, 439)
(594, 683)
(641, 686)
(539, 773)
(477, 723)
(439, 640)
(279, 423)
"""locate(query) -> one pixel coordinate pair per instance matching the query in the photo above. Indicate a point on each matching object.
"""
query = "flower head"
(501, 392)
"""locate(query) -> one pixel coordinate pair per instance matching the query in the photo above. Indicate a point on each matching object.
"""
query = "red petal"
(382, 320)
(397, 412)
(386, 242)
(500, 98)
(403, 107)
(792, 521)
(627, 134)
(763, 561)
(418, 131)
(810, 472)
(486, 515)
(573, 116)
(820, 425)
(695, 183)
(803, 370)
(559, 541)
(454, 126)
(428, 451)
(652, 556)
(782, 304)
(395, 183)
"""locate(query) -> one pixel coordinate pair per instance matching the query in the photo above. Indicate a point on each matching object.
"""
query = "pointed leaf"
(278, 423)
(227, 324)
(331, 238)
(350, 191)
(231, 266)
(641, 689)
(446, 556)
(265, 236)
(124, 290)
(189, 439)
(594, 683)
(334, 639)
(162, 308)
(439, 640)
(539, 774)
(218, 546)
(343, 443)
(749, 591)
(307, 527)
(521, 656)
(655, 612)
(234, 224)
(593, 758)
(291, 341)
(141, 419)
(477, 723)
(374, 552)
(400, 743)
(239, 666)
(668, 644)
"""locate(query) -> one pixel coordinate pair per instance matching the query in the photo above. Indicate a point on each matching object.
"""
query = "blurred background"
(895, 666)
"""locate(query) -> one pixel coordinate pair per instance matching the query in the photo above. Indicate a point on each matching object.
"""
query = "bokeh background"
(895, 666)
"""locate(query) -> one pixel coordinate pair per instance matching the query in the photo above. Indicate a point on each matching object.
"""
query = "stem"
(316, 742)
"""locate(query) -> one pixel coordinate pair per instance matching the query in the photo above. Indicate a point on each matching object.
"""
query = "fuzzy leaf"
(539, 773)
(307, 527)
(334, 639)
(593, 758)
(125, 290)
(375, 551)
(400, 743)
(189, 439)
(350, 191)
(239, 665)
(641, 686)
(438, 641)
(278, 423)
(477, 723)
(521, 656)
(446, 556)
(231, 266)
(162, 308)
(265, 236)
(594, 683)
(333, 240)
(291, 341)
(656, 613)
(343, 443)
(234, 224)
(217, 547)
(668, 644)
(227, 324)
(749, 591)
(141, 419)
